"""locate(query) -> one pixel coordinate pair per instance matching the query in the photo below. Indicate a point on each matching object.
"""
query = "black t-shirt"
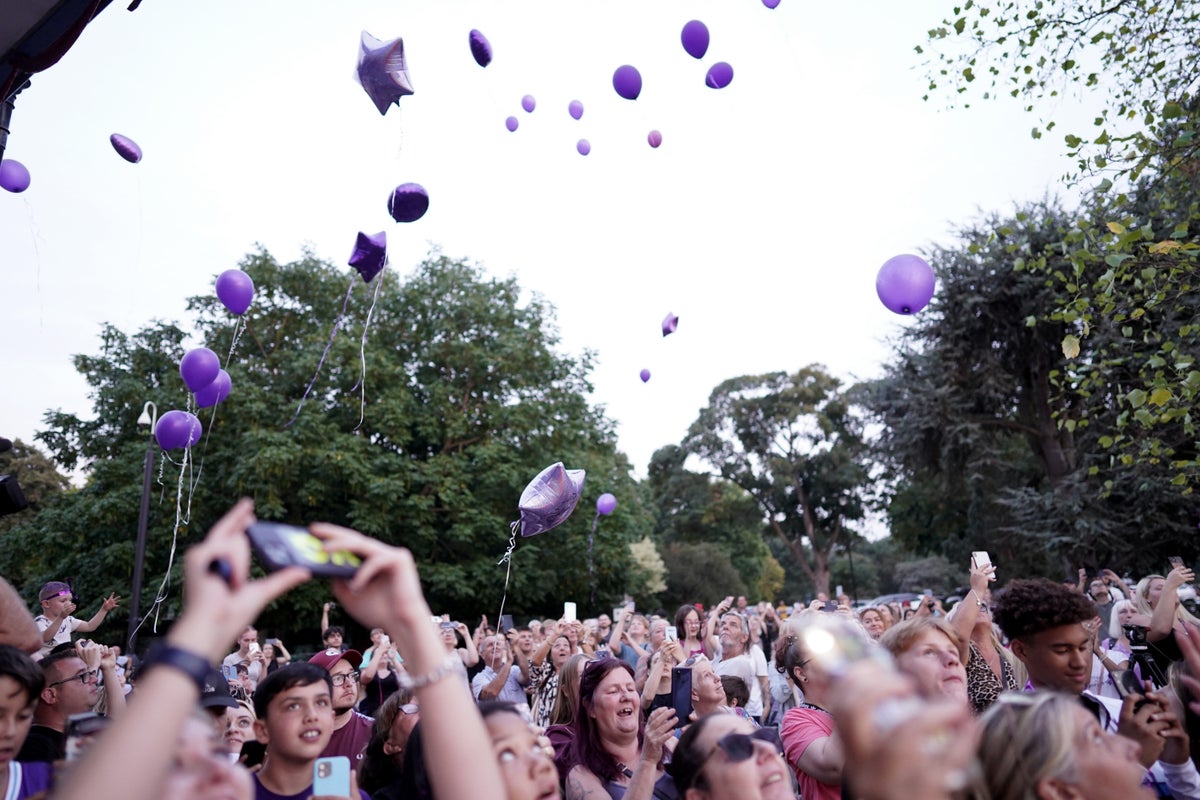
(43, 744)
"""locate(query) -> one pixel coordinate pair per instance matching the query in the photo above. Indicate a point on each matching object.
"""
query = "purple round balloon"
(13, 176)
(550, 498)
(176, 429)
(695, 38)
(215, 392)
(645, 375)
(583, 146)
(481, 48)
(199, 368)
(408, 202)
(654, 138)
(770, 3)
(235, 290)
(719, 75)
(905, 283)
(605, 504)
(627, 82)
(575, 109)
(126, 148)
(528, 103)
(511, 123)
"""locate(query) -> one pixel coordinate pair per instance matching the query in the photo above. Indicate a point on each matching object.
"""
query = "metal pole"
(850, 555)
(139, 553)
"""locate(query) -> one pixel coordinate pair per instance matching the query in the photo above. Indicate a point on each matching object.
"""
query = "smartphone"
(385, 640)
(229, 671)
(1176, 562)
(672, 633)
(1126, 682)
(981, 559)
(837, 592)
(80, 730)
(830, 605)
(681, 695)
(331, 777)
(506, 623)
(929, 592)
(282, 546)
(255, 647)
(618, 612)
(569, 611)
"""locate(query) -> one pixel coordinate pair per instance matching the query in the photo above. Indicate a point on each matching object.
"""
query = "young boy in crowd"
(21, 681)
(294, 705)
(56, 623)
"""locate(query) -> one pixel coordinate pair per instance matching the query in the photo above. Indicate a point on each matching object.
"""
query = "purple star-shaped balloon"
(370, 255)
(383, 72)
(670, 323)
(550, 498)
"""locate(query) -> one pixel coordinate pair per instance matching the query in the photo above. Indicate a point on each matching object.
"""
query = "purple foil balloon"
(528, 103)
(654, 138)
(481, 48)
(605, 504)
(176, 429)
(627, 82)
(583, 146)
(695, 38)
(905, 284)
(126, 148)
(199, 368)
(669, 324)
(644, 375)
(575, 109)
(408, 202)
(550, 498)
(215, 392)
(235, 290)
(370, 254)
(512, 124)
(382, 71)
(13, 176)
(719, 75)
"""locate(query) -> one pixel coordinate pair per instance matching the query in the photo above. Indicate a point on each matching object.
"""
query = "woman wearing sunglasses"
(724, 757)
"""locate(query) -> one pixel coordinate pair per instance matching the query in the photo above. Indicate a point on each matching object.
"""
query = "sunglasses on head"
(740, 746)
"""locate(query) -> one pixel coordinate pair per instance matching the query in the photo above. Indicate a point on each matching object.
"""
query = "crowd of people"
(1039, 689)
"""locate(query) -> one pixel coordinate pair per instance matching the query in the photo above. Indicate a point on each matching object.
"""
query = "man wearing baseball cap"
(351, 730)
(56, 623)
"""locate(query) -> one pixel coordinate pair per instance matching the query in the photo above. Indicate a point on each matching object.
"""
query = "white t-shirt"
(253, 668)
(65, 630)
(742, 667)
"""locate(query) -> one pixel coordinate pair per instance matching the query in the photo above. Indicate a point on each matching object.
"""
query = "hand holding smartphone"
(331, 777)
(280, 546)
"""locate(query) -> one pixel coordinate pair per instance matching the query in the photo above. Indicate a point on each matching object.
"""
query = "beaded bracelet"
(441, 671)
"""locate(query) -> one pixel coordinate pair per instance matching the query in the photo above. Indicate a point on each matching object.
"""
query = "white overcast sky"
(761, 220)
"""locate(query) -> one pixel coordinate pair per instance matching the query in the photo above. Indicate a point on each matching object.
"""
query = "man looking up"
(56, 623)
(71, 688)
(502, 678)
(295, 713)
(351, 730)
(734, 633)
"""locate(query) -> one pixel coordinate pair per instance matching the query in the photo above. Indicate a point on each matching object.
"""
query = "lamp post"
(149, 417)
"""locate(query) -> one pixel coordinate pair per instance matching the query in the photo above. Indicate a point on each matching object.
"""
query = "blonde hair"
(1114, 624)
(566, 702)
(899, 638)
(1026, 738)
(1143, 602)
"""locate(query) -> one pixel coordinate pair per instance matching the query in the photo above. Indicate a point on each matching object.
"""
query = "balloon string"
(362, 354)
(591, 562)
(37, 260)
(239, 325)
(333, 333)
(164, 587)
(512, 545)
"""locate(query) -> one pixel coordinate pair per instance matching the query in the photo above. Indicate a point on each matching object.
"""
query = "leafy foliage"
(466, 399)
(795, 444)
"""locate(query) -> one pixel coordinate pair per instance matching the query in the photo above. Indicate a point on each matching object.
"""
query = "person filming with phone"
(1160, 618)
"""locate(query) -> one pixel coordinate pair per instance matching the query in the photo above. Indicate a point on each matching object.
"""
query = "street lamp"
(149, 417)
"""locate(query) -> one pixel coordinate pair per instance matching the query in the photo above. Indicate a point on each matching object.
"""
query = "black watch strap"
(194, 666)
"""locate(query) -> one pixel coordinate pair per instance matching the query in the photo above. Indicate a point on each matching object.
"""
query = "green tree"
(795, 444)
(699, 572)
(466, 400)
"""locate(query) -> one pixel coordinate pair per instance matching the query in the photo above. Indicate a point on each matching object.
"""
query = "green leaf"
(1172, 110)
(1070, 346)
(1160, 397)
(1136, 398)
(1116, 259)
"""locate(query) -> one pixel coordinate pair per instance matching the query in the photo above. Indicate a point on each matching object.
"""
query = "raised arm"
(107, 605)
(214, 613)
(712, 642)
(16, 625)
(966, 613)
(1163, 618)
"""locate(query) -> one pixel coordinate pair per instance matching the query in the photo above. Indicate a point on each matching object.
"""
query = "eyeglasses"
(340, 680)
(740, 746)
(83, 677)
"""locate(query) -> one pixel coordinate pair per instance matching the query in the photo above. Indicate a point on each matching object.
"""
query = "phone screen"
(672, 633)
(981, 559)
(1176, 562)
(506, 623)
(569, 611)
(282, 546)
